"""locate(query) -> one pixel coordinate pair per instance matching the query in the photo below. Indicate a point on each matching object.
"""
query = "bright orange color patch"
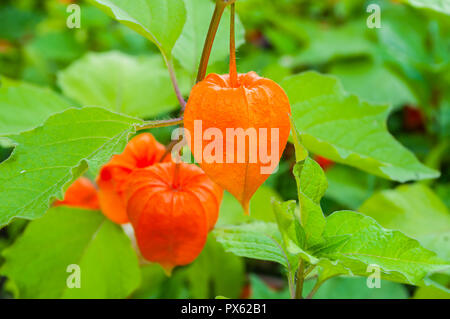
(82, 193)
(142, 151)
(255, 102)
(172, 210)
(324, 162)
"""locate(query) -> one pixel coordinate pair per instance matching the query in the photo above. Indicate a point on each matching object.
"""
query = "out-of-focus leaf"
(16, 23)
(57, 46)
(38, 261)
(260, 208)
(47, 159)
(374, 83)
(259, 290)
(26, 106)
(416, 211)
(215, 272)
(119, 82)
(160, 21)
(356, 288)
(340, 127)
(153, 278)
(348, 186)
(442, 6)
(326, 43)
(189, 46)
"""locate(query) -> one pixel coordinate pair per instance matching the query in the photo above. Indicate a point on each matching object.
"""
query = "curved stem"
(300, 280)
(233, 70)
(159, 123)
(314, 289)
(173, 78)
(214, 25)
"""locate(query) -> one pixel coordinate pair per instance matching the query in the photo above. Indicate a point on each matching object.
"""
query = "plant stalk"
(300, 280)
(214, 25)
(159, 123)
(233, 70)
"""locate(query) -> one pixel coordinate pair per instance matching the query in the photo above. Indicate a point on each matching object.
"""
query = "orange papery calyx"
(172, 207)
(254, 110)
(255, 103)
(82, 194)
(141, 151)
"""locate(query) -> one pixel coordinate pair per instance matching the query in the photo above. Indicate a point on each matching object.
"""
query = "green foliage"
(38, 261)
(188, 49)
(416, 211)
(340, 127)
(122, 83)
(144, 17)
(48, 158)
(442, 6)
(26, 106)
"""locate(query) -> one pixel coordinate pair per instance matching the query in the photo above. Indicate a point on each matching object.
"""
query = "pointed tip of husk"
(167, 269)
(246, 207)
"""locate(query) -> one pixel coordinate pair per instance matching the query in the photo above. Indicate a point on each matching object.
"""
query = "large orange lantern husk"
(141, 151)
(172, 208)
(82, 194)
(255, 102)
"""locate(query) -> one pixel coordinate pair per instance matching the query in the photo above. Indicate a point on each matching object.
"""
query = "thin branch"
(176, 87)
(159, 123)
(214, 25)
(315, 288)
(300, 280)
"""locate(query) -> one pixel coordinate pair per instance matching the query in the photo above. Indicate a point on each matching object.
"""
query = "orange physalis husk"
(82, 193)
(172, 207)
(254, 102)
(141, 151)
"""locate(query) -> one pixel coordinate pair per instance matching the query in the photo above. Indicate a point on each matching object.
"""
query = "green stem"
(214, 25)
(300, 280)
(173, 78)
(159, 123)
(315, 288)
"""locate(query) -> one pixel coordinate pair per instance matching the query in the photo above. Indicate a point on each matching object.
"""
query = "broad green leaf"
(38, 261)
(416, 211)
(399, 257)
(257, 240)
(341, 127)
(442, 6)
(48, 158)
(160, 21)
(26, 106)
(361, 78)
(189, 46)
(311, 186)
(119, 82)
(215, 272)
(430, 293)
(152, 280)
(356, 288)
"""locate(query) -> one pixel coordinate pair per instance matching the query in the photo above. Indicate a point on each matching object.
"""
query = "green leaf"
(260, 290)
(189, 47)
(292, 232)
(399, 257)
(160, 21)
(257, 240)
(216, 272)
(326, 43)
(356, 288)
(360, 78)
(260, 208)
(26, 106)
(416, 211)
(153, 278)
(340, 127)
(311, 186)
(38, 261)
(442, 6)
(119, 82)
(47, 159)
